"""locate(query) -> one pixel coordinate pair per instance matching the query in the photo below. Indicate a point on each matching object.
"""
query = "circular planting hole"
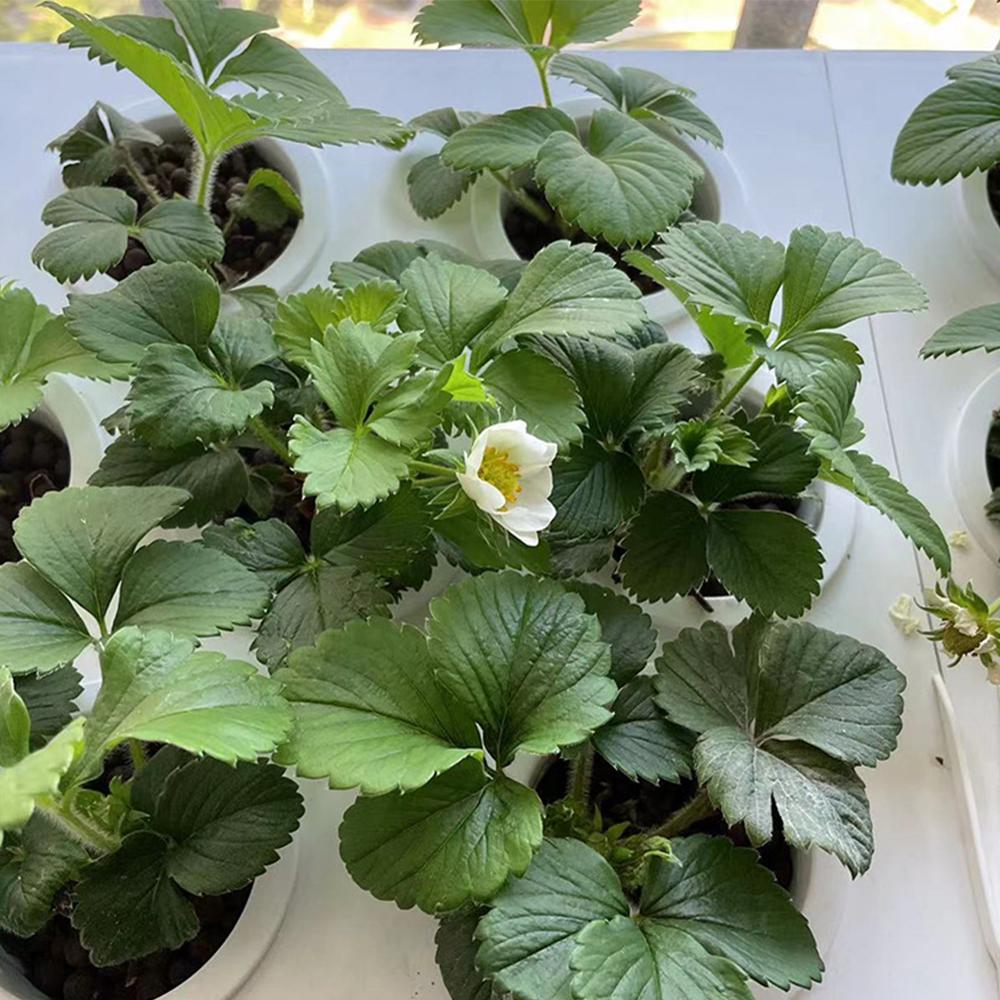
(33, 461)
(169, 169)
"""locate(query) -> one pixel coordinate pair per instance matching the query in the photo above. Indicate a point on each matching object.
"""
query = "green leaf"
(39, 629)
(213, 31)
(475, 22)
(782, 465)
(530, 932)
(434, 187)
(207, 808)
(175, 399)
(454, 840)
(181, 230)
(159, 32)
(43, 862)
(455, 955)
(15, 723)
(796, 360)
(676, 113)
(508, 141)
(723, 269)
(742, 548)
(955, 130)
(699, 444)
(370, 713)
(595, 492)
(567, 289)
(665, 548)
(625, 185)
(326, 597)
(269, 200)
(574, 22)
(274, 66)
(215, 478)
(726, 900)
(784, 715)
(832, 279)
(159, 304)
(50, 699)
(449, 304)
(629, 961)
(80, 538)
(92, 235)
(640, 742)
(345, 468)
(524, 660)
(665, 376)
(596, 76)
(826, 407)
(270, 549)
(37, 776)
(531, 388)
(973, 330)
(625, 627)
(157, 688)
(189, 589)
(127, 907)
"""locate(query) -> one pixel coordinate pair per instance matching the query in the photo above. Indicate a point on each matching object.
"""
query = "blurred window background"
(667, 24)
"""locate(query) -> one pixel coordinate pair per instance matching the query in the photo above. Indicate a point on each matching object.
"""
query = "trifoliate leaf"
(344, 467)
(741, 551)
(507, 141)
(80, 538)
(625, 185)
(531, 388)
(213, 31)
(126, 907)
(206, 807)
(159, 304)
(955, 130)
(700, 443)
(832, 279)
(449, 304)
(157, 688)
(524, 660)
(782, 465)
(594, 491)
(15, 723)
(640, 742)
(37, 776)
(50, 700)
(273, 66)
(372, 685)
(189, 589)
(665, 548)
(453, 841)
(39, 629)
(785, 713)
(625, 627)
(325, 597)
(43, 862)
(530, 932)
(434, 187)
(973, 330)
(723, 269)
(216, 477)
(270, 549)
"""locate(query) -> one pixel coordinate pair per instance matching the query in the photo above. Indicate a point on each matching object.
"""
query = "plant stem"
(138, 754)
(581, 772)
(738, 386)
(88, 835)
(542, 66)
(524, 200)
(433, 469)
(699, 808)
(271, 440)
(136, 174)
(205, 171)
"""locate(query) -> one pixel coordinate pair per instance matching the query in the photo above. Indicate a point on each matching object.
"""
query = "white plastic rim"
(981, 229)
(967, 463)
(303, 167)
(722, 191)
(65, 412)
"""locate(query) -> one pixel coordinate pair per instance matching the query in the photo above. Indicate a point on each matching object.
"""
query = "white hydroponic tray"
(908, 930)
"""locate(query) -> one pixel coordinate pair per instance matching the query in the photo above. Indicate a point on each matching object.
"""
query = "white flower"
(959, 539)
(508, 474)
(901, 612)
(965, 622)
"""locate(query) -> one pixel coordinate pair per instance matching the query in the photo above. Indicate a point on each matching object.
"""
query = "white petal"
(535, 487)
(965, 622)
(474, 456)
(527, 537)
(484, 495)
(531, 517)
(531, 451)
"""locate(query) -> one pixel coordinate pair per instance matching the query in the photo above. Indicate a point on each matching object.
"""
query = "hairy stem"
(96, 841)
(271, 440)
(580, 774)
(738, 386)
(699, 808)
(202, 184)
(136, 174)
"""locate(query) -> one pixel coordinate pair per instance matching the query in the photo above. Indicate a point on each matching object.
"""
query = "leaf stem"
(738, 386)
(697, 809)
(433, 469)
(88, 835)
(533, 207)
(271, 440)
(581, 773)
(138, 753)
(136, 174)
(205, 171)
(542, 66)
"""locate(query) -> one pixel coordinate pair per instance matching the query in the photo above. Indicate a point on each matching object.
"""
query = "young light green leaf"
(700, 443)
(80, 538)
(507, 141)
(15, 723)
(372, 685)
(625, 185)
(453, 841)
(160, 32)
(501, 641)
(189, 589)
(974, 330)
(269, 200)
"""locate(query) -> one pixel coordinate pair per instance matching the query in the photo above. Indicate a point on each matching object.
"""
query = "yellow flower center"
(499, 471)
